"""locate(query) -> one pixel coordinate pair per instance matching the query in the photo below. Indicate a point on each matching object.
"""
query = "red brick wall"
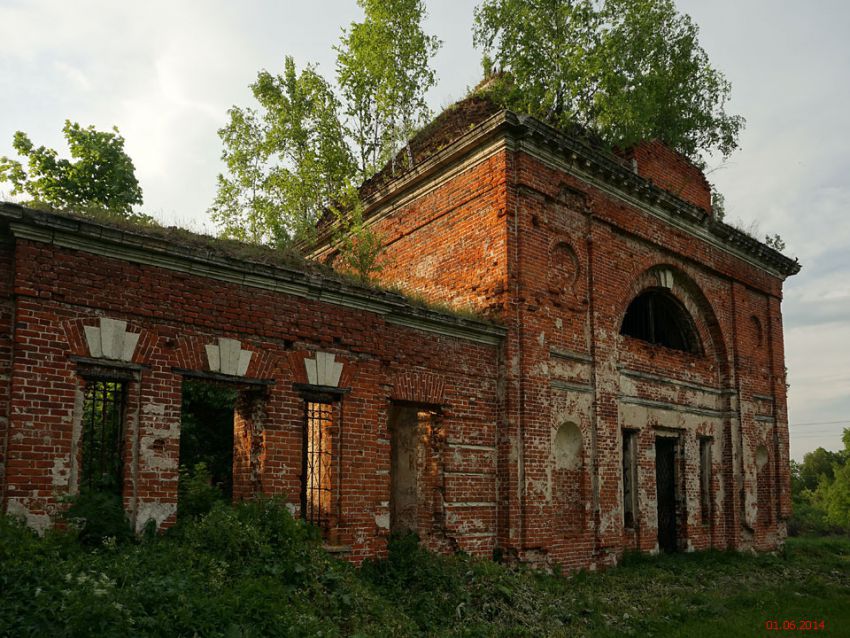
(574, 258)
(60, 291)
(614, 245)
(671, 171)
(6, 318)
(558, 261)
(450, 243)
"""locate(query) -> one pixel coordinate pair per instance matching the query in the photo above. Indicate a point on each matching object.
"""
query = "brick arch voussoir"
(189, 353)
(419, 387)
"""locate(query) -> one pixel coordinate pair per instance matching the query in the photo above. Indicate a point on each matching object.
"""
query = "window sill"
(336, 549)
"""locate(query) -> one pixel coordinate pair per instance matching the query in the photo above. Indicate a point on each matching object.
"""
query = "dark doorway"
(665, 481)
(206, 446)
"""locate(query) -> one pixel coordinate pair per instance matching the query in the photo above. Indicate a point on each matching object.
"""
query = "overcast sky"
(165, 72)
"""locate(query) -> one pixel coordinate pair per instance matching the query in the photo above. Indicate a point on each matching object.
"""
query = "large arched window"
(658, 317)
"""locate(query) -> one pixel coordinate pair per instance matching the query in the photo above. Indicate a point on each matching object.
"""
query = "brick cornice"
(577, 157)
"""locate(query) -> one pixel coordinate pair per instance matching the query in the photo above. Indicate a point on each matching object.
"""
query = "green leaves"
(630, 70)
(820, 487)
(289, 160)
(383, 70)
(286, 161)
(360, 247)
(102, 179)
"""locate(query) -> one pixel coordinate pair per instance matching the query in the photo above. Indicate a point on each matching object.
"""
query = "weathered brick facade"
(501, 436)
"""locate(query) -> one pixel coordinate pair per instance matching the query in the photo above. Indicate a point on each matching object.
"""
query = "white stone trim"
(110, 340)
(228, 357)
(323, 370)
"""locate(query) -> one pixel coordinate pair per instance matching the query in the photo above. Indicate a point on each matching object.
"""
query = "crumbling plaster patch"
(567, 446)
(60, 472)
(382, 521)
(156, 511)
(17, 509)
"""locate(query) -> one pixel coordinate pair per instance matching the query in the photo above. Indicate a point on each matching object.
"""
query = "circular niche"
(563, 268)
(567, 447)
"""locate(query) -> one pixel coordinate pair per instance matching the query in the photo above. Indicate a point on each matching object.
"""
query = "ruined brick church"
(618, 384)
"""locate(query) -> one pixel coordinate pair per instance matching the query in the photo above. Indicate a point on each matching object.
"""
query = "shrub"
(96, 516)
(196, 492)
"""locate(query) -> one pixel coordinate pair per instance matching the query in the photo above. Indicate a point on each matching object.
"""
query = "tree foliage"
(821, 489)
(286, 161)
(292, 157)
(630, 70)
(359, 245)
(383, 70)
(100, 177)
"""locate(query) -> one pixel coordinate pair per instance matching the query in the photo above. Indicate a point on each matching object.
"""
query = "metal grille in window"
(658, 317)
(316, 491)
(103, 436)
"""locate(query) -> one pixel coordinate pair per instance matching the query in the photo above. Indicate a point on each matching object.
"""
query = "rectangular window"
(629, 477)
(705, 479)
(316, 485)
(102, 458)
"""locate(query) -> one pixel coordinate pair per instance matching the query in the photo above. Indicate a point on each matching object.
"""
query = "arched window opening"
(568, 446)
(659, 318)
(569, 495)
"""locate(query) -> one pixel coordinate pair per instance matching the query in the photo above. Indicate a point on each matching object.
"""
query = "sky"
(165, 73)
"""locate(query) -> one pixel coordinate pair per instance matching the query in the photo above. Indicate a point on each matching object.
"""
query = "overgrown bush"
(253, 570)
(820, 488)
(197, 492)
(809, 518)
(248, 570)
(96, 516)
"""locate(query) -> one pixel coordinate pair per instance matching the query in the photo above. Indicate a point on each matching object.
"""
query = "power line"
(845, 422)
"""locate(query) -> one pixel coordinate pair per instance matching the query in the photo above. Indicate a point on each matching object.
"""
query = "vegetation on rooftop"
(308, 152)
(627, 70)
(621, 71)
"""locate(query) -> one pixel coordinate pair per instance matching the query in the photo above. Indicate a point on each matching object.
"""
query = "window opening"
(657, 317)
(705, 479)
(316, 493)
(629, 478)
(415, 468)
(206, 445)
(103, 436)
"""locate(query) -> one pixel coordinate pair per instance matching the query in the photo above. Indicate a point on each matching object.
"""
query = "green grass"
(724, 594)
(253, 571)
